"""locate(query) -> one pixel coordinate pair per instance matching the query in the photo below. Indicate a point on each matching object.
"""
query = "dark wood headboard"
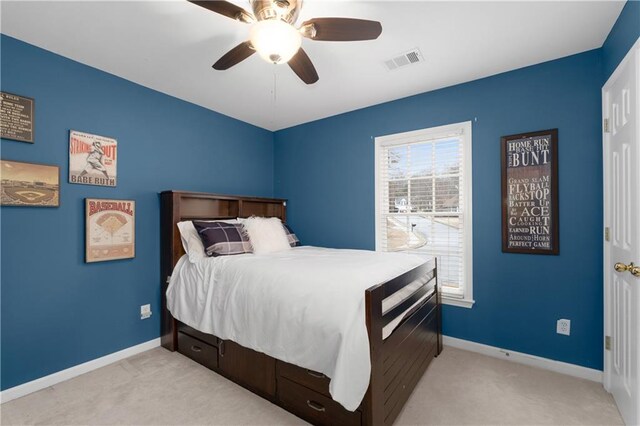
(176, 206)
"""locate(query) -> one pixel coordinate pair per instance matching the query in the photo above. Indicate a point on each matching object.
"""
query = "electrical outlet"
(563, 327)
(145, 311)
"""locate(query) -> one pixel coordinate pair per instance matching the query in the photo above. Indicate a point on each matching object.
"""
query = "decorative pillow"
(291, 236)
(222, 239)
(191, 240)
(267, 235)
(293, 240)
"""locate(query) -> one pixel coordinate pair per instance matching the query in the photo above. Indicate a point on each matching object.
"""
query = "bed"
(401, 308)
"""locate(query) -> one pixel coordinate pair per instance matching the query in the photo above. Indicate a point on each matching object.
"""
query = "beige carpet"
(160, 387)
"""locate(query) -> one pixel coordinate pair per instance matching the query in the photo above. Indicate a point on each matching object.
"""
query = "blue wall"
(623, 35)
(326, 170)
(58, 311)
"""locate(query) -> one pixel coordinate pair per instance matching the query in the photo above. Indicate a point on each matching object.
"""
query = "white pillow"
(267, 235)
(191, 241)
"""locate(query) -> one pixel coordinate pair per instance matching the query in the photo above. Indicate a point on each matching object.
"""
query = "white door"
(621, 111)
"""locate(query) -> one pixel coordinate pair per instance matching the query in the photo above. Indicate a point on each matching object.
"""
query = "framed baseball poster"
(110, 229)
(530, 219)
(93, 159)
(29, 184)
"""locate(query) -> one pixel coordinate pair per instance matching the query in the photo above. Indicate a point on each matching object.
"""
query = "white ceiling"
(170, 46)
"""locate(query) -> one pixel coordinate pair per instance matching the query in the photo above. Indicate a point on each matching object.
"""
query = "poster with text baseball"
(530, 193)
(110, 229)
(92, 159)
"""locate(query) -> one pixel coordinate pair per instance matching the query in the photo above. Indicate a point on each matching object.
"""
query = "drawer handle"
(316, 375)
(196, 348)
(315, 406)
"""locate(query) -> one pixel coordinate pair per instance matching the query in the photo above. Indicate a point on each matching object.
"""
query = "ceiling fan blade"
(225, 8)
(234, 56)
(302, 66)
(341, 29)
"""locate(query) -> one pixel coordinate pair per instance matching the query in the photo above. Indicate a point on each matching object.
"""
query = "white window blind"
(423, 207)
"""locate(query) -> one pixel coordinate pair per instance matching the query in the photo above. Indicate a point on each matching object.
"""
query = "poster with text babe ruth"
(92, 159)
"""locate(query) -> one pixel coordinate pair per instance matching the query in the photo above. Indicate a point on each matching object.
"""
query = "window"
(423, 202)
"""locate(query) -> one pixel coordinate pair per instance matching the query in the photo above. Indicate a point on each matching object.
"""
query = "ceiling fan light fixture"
(275, 40)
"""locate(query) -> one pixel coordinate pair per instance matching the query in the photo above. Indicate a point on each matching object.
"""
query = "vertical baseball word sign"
(93, 159)
(530, 193)
(110, 229)
(16, 117)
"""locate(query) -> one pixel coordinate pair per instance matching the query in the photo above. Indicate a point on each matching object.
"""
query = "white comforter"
(304, 306)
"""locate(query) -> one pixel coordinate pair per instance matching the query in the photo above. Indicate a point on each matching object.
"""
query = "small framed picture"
(29, 184)
(110, 229)
(93, 159)
(17, 115)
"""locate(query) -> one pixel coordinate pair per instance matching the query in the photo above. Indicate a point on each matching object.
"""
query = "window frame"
(464, 128)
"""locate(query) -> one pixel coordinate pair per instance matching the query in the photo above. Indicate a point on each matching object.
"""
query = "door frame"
(633, 53)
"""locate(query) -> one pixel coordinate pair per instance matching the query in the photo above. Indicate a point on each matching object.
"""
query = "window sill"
(454, 301)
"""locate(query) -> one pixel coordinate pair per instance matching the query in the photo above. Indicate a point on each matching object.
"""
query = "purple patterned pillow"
(223, 239)
(293, 240)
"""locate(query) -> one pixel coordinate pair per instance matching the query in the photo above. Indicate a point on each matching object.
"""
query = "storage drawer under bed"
(197, 350)
(204, 337)
(315, 381)
(313, 406)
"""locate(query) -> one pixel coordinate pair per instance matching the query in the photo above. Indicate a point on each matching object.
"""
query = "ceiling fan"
(276, 39)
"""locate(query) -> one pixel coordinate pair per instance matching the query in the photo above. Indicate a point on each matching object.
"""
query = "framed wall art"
(16, 117)
(530, 219)
(93, 159)
(110, 229)
(29, 184)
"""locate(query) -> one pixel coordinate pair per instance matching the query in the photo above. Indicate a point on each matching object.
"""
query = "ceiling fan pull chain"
(275, 96)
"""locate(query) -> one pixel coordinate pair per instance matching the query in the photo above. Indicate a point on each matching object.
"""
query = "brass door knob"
(621, 267)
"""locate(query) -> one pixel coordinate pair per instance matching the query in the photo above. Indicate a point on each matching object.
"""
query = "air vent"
(408, 58)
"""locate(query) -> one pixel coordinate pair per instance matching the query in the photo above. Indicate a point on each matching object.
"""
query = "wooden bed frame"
(397, 363)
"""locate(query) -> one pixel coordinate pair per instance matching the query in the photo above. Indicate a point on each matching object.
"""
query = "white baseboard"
(492, 351)
(522, 358)
(55, 378)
